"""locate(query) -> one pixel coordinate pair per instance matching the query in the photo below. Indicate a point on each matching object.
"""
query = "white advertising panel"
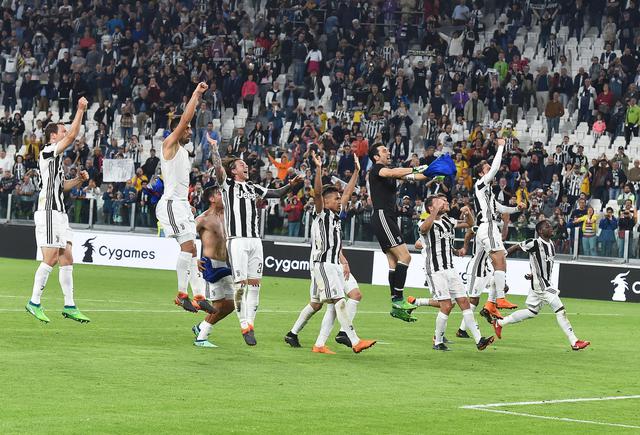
(516, 269)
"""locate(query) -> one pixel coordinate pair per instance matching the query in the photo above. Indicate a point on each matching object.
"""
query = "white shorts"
(350, 285)
(176, 219)
(52, 229)
(219, 290)
(489, 238)
(329, 282)
(245, 258)
(477, 285)
(538, 297)
(446, 284)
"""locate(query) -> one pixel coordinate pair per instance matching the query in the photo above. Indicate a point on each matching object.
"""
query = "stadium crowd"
(421, 76)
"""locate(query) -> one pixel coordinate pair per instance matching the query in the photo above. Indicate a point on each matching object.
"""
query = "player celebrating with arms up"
(488, 236)
(244, 246)
(173, 209)
(53, 234)
(383, 189)
(541, 254)
(438, 232)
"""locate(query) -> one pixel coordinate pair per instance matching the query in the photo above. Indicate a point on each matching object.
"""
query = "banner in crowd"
(516, 270)
(606, 283)
(117, 170)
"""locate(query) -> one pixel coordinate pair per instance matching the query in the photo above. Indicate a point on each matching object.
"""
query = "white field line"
(490, 407)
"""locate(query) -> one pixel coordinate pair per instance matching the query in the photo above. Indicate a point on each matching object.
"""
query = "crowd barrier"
(588, 281)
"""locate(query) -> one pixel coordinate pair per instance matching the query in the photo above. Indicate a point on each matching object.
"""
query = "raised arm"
(278, 193)
(78, 181)
(217, 161)
(509, 210)
(172, 142)
(351, 186)
(317, 182)
(414, 173)
(495, 165)
(68, 139)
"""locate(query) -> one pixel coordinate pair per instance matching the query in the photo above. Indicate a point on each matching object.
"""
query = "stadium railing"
(123, 216)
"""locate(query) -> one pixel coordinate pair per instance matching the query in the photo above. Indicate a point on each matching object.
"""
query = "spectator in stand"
(554, 111)
(607, 238)
(293, 208)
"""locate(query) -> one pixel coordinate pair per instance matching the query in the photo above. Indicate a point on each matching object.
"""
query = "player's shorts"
(386, 230)
(446, 284)
(350, 284)
(490, 238)
(52, 229)
(477, 284)
(329, 282)
(245, 258)
(538, 297)
(221, 289)
(176, 219)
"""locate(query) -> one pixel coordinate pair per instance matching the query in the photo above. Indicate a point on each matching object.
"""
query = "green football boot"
(37, 311)
(402, 304)
(204, 343)
(74, 314)
(403, 315)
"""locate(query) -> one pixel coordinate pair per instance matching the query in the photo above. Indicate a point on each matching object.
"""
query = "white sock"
(463, 326)
(183, 269)
(516, 317)
(205, 330)
(306, 313)
(195, 279)
(326, 326)
(563, 321)
(499, 277)
(441, 326)
(240, 302)
(352, 308)
(253, 299)
(422, 302)
(492, 293)
(65, 277)
(345, 323)
(472, 325)
(39, 281)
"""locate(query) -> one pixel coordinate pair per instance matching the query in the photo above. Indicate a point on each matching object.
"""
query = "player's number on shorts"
(259, 268)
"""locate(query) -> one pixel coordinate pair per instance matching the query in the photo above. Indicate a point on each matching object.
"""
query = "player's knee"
(446, 306)
(355, 294)
(315, 305)
(475, 301)
(253, 281)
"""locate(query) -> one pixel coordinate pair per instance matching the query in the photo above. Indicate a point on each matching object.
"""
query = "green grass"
(137, 371)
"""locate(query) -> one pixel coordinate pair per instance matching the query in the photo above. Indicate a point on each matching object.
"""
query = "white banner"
(117, 170)
(516, 269)
(126, 250)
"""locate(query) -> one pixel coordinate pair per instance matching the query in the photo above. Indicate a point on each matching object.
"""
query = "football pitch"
(133, 369)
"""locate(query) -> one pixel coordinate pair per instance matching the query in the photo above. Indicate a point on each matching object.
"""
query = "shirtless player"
(219, 284)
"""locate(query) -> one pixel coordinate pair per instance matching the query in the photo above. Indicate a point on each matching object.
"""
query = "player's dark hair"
(50, 129)
(429, 201)
(228, 164)
(211, 191)
(374, 151)
(174, 123)
(478, 168)
(540, 224)
(329, 189)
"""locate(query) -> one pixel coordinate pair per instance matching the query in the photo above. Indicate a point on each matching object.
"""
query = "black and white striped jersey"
(573, 183)
(541, 255)
(241, 215)
(51, 195)
(479, 266)
(438, 245)
(372, 128)
(326, 237)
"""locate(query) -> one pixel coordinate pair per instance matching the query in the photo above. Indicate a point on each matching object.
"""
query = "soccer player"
(382, 186)
(328, 272)
(488, 236)
(219, 284)
(352, 290)
(173, 209)
(541, 254)
(53, 234)
(244, 246)
(437, 232)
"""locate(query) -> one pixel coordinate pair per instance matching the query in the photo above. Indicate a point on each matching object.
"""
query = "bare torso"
(210, 226)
